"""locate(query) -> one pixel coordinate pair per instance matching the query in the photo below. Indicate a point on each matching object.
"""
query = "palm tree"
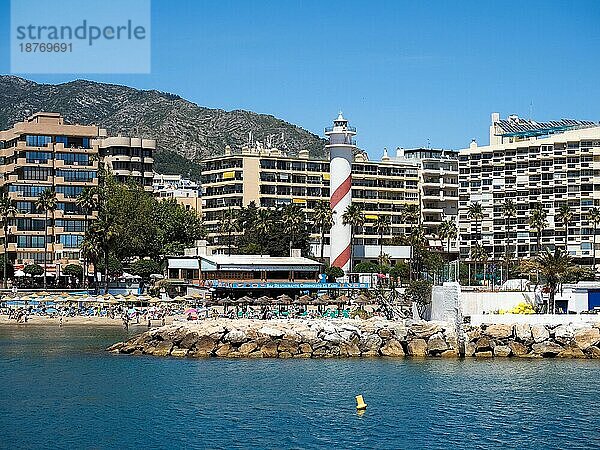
(91, 249)
(555, 268)
(229, 224)
(565, 215)
(46, 202)
(103, 234)
(293, 219)
(447, 230)
(87, 202)
(323, 220)
(538, 222)
(509, 210)
(263, 223)
(479, 253)
(475, 212)
(7, 210)
(594, 217)
(382, 225)
(353, 216)
(411, 214)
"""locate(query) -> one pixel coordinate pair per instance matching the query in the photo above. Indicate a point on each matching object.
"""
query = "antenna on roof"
(531, 110)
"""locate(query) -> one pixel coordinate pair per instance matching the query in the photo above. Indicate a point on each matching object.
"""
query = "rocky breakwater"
(295, 339)
(533, 341)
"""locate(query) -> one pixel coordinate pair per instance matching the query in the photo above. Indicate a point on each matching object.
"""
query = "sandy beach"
(77, 321)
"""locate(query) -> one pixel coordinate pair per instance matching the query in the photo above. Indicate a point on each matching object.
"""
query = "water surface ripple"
(61, 390)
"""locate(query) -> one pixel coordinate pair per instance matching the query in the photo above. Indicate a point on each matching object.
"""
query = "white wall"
(487, 302)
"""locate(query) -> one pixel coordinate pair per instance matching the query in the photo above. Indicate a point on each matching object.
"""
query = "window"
(70, 240)
(38, 157)
(80, 159)
(34, 173)
(69, 191)
(77, 175)
(27, 190)
(30, 224)
(37, 141)
(71, 225)
(31, 241)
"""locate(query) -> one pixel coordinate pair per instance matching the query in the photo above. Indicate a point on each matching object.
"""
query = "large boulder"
(223, 350)
(523, 332)
(162, 349)
(392, 348)
(235, 336)
(539, 333)
(248, 347)
(502, 350)
(204, 346)
(417, 347)
(547, 348)
(269, 349)
(436, 344)
(424, 330)
(586, 337)
(499, 331)
(517, 348)
(349, 349)
(287, 346)
(571, 351)
(189, 340)
(484, 343)
(563, 334)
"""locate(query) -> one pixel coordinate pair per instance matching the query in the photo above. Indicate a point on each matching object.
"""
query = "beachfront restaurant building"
(253, 275)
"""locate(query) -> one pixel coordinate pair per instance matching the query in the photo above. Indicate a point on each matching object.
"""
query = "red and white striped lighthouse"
(341, 151)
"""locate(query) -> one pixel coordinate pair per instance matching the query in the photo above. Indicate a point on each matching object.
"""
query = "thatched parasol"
(284, 299)
(264, 300)
(362, 300)
(342, 299)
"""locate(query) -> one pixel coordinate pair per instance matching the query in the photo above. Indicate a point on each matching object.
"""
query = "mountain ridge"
(186, 132)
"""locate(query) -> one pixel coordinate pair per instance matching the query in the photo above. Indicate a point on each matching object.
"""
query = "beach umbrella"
(342, 299)
(244, 300)
(156, 276)
(179, 298)
(304, 299)
(264, 300)
(191, 311)
(19, 273)
(362, 299)
(284, 299)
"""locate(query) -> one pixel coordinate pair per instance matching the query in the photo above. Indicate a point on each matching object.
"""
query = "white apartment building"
(553, 163)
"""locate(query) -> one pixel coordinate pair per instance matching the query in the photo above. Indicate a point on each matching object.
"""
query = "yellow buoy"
(360, 403)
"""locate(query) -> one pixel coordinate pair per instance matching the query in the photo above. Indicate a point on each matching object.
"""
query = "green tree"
(354, 217)
(110, 266)
(7, 211)
(323, 221)
(565, 216)
(475, 213)
(382, 226)
(176, 229)
(555, 268)
(419, 293)
(411, 214)
(333, 273)
(46, 202)
(229, 224)
(366, 267)
(7, 265)
(33, 270)
(73, 270)
(594, 218)
(88, 203)
(509, 211)
(538, 223)
(448, 231)
(144, 268)
(293, 220)
(479, 254)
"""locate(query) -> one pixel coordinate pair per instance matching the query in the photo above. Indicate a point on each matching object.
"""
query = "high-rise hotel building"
(553, 163)
(271, 178)
(43, 152)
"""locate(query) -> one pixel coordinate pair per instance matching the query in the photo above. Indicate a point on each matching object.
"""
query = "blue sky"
(404, 73)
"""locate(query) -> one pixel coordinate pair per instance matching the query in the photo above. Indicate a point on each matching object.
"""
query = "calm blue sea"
(61, 390)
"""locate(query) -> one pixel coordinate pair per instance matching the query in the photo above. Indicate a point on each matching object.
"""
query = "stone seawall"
(360, 338)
